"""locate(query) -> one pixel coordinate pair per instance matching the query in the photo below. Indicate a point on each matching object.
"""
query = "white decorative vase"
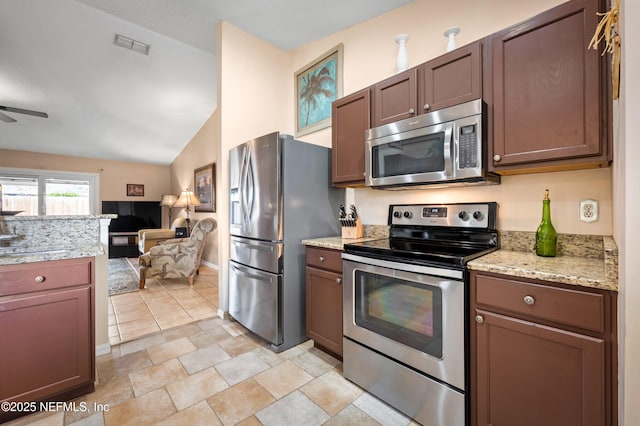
(451, 34)
(402, 62)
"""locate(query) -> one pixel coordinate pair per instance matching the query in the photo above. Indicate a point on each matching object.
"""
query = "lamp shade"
(168, 200)
(187, 199)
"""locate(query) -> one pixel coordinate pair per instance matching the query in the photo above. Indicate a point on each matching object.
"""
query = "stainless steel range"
(406, 308)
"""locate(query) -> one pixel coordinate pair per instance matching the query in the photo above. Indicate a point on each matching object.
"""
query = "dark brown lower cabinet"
(47, 332)
(324, 299)
(541, 354)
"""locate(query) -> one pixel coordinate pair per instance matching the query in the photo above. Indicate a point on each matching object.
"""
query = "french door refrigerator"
(280, 194)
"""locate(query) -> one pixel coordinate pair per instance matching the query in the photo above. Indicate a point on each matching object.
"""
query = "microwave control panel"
(468, 147)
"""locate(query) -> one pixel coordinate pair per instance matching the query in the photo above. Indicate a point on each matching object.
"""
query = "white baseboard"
(223, 314)
(103, 349)
(210, 265)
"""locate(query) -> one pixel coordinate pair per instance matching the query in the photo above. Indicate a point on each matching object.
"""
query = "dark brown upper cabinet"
(451, 79)
(548, 93)
(395, 98)
(350, 118)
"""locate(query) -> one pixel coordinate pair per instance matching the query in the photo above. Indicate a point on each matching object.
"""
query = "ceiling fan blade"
(24, 111)
(6, 118)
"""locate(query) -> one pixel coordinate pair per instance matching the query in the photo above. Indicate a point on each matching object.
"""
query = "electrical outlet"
(588, 210)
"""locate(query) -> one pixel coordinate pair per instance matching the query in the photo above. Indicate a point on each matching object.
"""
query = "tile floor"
(174, 362)
(163, 304)
(213, 372)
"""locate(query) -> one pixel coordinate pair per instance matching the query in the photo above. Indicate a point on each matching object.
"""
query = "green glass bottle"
(546, 237)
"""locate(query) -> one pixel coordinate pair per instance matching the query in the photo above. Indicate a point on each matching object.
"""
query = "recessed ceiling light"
(131, 44)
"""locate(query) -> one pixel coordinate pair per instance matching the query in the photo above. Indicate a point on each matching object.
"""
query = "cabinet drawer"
(325, 258)
(39, 276)
(570, 307)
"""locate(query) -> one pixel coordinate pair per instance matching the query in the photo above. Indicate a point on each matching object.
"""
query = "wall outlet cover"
(588, 210)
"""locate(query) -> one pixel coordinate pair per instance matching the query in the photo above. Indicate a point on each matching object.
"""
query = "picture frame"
(317, 85)
(204, 180)
(135, 190)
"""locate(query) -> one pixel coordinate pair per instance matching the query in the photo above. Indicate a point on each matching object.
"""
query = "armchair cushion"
(176, 258)
(148, 238)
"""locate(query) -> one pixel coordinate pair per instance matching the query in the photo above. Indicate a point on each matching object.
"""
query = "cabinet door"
(395, 98)
(47, 344)
(324, 308)
(546, 91)
(350, 118)
(451, 79)
(529, 374)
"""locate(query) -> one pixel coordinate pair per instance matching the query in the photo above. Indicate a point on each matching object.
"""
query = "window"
(45, 192)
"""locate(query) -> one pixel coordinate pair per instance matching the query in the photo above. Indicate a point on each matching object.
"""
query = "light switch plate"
(588, 210)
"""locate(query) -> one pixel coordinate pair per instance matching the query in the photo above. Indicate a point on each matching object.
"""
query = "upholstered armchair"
(148, 238)
(178, 257)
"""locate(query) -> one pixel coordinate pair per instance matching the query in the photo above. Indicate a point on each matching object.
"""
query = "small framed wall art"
(204, 179)
(318, 84)
(135, 190)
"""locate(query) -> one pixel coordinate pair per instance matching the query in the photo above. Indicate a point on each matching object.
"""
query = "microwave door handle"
(450, 143)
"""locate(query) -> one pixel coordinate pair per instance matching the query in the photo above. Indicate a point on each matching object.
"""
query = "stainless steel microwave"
(445, 147)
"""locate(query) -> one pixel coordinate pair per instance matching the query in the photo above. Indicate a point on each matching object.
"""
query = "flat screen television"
(133, 215)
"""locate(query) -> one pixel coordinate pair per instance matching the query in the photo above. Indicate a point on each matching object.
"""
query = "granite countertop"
(15, 257)
(582, 260)
(57, 217)
(588, 261)
(371, 232)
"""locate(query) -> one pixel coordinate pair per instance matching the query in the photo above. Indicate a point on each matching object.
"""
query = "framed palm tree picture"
(318, 84)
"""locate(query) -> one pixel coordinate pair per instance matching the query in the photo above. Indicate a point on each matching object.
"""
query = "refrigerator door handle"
(254, 246)
(247, 274)
(246, 188)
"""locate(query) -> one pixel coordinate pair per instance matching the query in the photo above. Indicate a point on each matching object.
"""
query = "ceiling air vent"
(131, 44)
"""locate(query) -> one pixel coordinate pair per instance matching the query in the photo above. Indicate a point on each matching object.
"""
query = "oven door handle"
(408, 267)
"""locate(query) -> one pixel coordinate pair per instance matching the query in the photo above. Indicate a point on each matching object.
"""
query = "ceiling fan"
(4, 117)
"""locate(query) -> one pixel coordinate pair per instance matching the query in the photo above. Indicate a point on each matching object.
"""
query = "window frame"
(42, 175)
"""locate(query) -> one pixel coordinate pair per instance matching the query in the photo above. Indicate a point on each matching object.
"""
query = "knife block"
(351, 231)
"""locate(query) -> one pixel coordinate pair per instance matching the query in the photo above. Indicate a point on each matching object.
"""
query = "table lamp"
(187, 199)
(168, 200)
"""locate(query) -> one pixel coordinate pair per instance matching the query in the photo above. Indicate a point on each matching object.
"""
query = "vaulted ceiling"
(104, 101)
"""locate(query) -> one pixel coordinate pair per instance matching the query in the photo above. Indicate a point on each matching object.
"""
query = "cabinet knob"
(426, 107)
(412, 111)
(39, 279)
(321, 258)
(479, 319)
(338, 280)
(497, 158)
(529, 300)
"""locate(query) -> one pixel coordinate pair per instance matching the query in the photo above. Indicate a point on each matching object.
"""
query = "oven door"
(423, 155)
(413, 314)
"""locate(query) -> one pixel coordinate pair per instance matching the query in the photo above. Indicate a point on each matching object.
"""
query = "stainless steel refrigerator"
(280, 194)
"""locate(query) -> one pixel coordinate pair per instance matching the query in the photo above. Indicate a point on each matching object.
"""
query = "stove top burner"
(441, 235)
(418, 252)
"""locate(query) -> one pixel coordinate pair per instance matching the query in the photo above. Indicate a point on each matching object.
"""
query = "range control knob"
(463, 215)
(408, 215)
(477, 215)
(397, 214)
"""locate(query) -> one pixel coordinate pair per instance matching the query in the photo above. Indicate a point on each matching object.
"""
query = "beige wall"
(114, 175)
(369, 56)
(626, 178)
(255, 97)
(200, 151)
